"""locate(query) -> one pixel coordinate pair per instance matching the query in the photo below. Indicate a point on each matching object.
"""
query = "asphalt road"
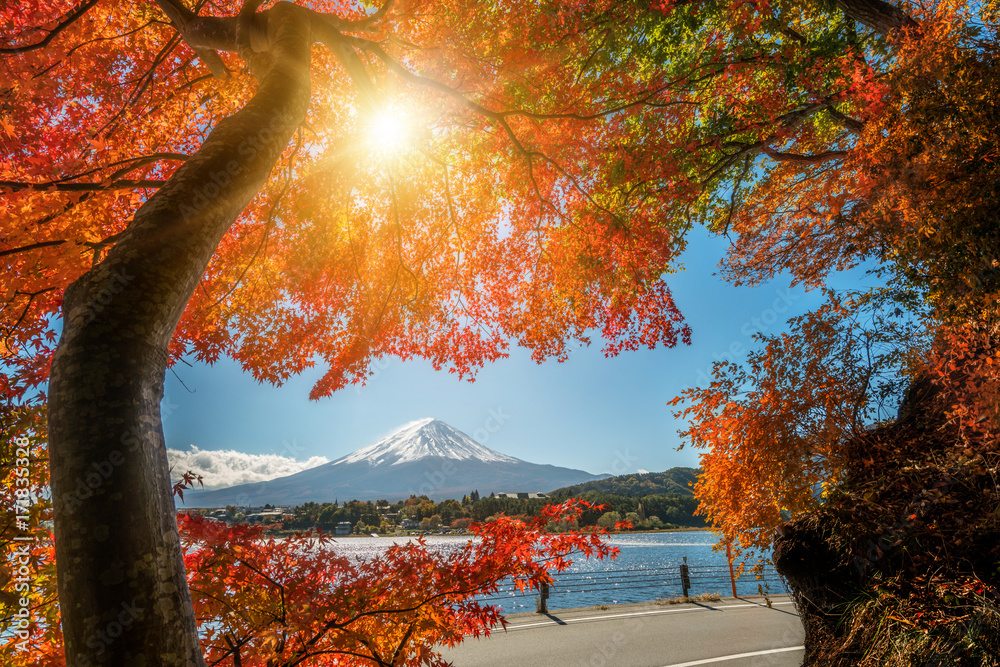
(735, 632)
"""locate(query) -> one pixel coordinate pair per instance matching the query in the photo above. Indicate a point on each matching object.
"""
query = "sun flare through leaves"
(390, 131)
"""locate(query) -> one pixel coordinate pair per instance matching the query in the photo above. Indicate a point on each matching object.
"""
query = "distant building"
(520, 496)
(343, 528)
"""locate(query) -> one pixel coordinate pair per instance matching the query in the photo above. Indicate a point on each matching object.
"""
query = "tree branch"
(55, 186)
(818, 158)
(33, 246)
(9, 332)
(402, 644)
(70, 18)
(788, 120)
(417, 79)
(132, 163)
(64, 57)
(880, 16)
(365, 23)
(851, 124)
(340, 46)
(93, 245)
(183, 19)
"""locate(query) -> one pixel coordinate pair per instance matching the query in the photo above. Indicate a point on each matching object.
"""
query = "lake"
(647, 568)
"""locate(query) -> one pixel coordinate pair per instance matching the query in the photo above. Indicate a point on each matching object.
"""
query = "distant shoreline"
(685, 529)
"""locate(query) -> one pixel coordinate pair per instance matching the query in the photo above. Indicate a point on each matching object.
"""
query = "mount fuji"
(424, 457)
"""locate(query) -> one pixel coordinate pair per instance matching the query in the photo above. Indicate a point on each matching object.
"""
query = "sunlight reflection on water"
(647, 568)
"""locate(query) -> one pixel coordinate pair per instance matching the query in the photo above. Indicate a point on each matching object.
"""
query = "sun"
(388, 131)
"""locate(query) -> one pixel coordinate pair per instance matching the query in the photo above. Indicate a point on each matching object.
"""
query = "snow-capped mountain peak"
(421, 439)
(426, 457)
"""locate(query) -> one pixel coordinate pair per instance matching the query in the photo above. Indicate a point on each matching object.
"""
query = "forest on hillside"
(676, 481)
(644, 512)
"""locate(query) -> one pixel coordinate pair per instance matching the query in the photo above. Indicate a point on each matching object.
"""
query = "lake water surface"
(647, 568)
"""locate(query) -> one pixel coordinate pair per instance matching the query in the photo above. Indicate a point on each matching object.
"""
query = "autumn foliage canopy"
(861, 446)
(913, 194)
(512, 204)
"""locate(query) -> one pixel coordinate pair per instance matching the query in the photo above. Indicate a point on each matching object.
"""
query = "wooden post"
(685, 580)
(729, 557)
(543, 597)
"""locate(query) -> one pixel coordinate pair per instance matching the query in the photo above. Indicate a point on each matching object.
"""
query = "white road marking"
(736, 656)
(567, 621)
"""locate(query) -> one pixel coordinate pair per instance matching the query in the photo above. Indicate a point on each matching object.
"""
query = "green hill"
(676, 481)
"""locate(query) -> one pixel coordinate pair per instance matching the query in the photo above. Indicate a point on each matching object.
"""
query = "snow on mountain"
(423, 438)
(423, 457)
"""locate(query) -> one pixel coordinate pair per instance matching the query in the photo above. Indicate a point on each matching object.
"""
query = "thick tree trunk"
(122, 588)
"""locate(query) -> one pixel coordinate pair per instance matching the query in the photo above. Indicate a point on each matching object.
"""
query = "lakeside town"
(636, 499)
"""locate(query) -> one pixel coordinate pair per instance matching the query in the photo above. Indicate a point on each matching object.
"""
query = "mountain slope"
(425, 457)
(676, 480)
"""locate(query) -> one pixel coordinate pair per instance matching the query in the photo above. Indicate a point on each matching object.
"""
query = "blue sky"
(596, 414)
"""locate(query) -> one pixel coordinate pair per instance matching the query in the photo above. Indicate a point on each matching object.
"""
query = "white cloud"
(228, 467)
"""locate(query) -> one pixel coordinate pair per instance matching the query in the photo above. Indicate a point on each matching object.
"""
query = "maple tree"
(182, 183)
(774, 429)
(916, 189)
(914, 193)
(860, 506)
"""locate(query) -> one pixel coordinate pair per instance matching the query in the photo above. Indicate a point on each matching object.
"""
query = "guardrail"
(685, 580)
